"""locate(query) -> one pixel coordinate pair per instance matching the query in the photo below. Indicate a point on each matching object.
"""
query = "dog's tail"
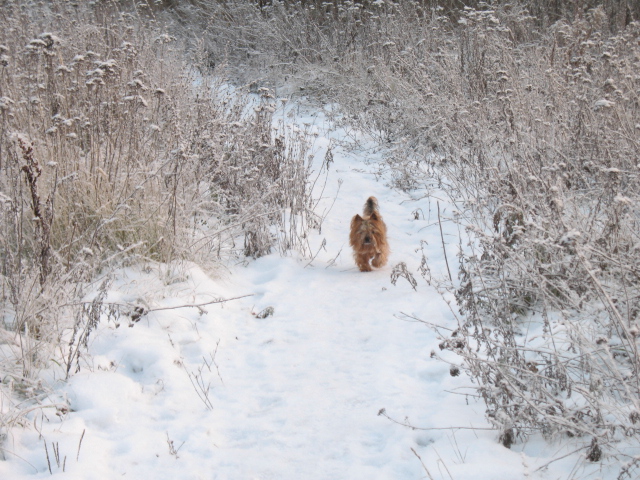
(370, 206)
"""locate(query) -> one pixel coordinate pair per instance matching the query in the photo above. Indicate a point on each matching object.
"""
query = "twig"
(443, 464)
(400, 270)
(443, 247)
(213, 359)
(322, 245)
(56, 452)
(201, 390)
(559, 458)
(384, 414)
(332, 262)
(46, 451)
(462, 457)
(80, 444)
(423, 465)
(173, 450)
(197, 305)
(187, 305)
(432, 325)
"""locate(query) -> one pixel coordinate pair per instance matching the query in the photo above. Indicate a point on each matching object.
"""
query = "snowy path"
(295, 395)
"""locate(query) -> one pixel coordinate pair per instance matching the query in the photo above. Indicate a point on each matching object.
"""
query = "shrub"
(529, 122)
(119, 145)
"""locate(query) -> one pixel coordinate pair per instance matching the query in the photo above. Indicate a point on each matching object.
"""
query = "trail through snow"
(218, 393)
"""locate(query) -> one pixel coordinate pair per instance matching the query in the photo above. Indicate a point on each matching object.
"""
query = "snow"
(215, 392)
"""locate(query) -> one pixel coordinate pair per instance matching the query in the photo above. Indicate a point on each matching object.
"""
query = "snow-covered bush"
(548, 290)
(529, 116)
(527, 113)
(118, 146)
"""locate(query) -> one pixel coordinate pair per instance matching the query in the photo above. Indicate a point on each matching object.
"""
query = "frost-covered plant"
(119, 145)
(549, 289)
(527, 114)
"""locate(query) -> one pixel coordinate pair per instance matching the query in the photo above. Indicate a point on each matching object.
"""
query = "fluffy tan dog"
(369, 237)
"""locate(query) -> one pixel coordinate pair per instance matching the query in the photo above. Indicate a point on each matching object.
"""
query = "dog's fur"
(369, 237)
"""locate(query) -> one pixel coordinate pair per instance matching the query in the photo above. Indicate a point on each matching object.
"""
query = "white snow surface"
(294, 395)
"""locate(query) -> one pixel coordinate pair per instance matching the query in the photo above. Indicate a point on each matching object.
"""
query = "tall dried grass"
(119, 145)
(526, 113)
(531, 124)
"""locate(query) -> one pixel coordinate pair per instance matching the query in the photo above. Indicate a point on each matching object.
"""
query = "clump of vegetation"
(527, 114)
(118, 145)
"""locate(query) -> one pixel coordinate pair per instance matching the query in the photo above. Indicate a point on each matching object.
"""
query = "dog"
(368, 237)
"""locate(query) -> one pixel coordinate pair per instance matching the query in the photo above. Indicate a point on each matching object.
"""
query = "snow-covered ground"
(216, 392)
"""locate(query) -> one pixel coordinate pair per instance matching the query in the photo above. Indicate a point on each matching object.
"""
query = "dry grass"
(531, 123)
(527, 114)
(119, 145)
